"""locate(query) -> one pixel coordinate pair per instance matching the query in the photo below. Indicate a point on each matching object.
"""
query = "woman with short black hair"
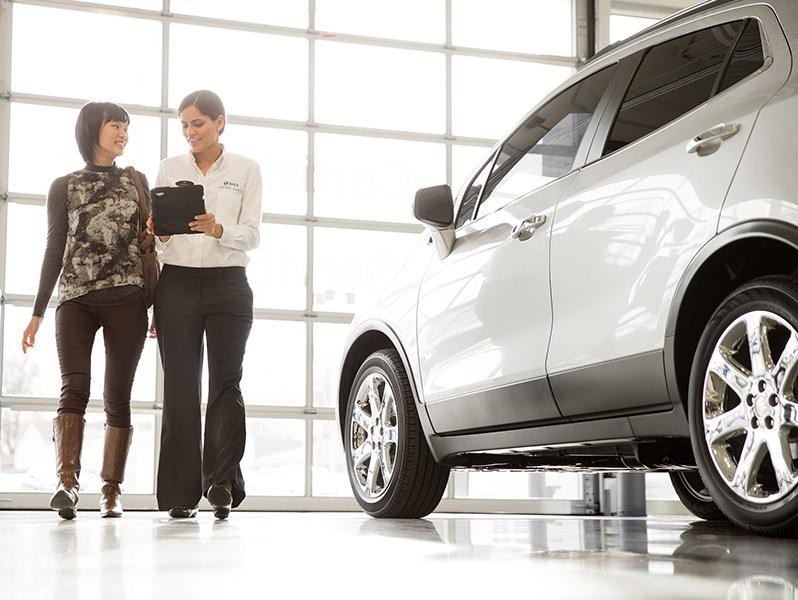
(203, 293)
(93, 252)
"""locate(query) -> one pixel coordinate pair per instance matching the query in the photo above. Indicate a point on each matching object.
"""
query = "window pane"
(675, 77)
(274, 364)
(404, 89)
(514, 25)
(281, 154)
(623, 26)
(77, 36)
(544, 147)
(329, 464)
(277, 269)
(27, 231)
(417, 20)
(659, 487)
(748, 56)
(349, 264)
(35, 374)
(288, 14)
(489, 95)
(328, 349)
(274, 458)
(277, 88)
(471, 196)
(31, 174)
(27, 453)
(466, 160)
(373, 179)
(503, 484)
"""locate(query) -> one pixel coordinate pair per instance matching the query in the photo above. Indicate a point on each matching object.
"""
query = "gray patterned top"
(92, 218)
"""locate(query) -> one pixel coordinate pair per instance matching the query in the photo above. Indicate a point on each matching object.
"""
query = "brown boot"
(68, 437)
(117, 444)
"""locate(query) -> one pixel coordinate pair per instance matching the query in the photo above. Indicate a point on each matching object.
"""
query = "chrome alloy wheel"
(374, 436)
(749, 408)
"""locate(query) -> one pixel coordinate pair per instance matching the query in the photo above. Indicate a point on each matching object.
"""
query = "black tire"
(693, 493)
(778, 295)
(417, 482)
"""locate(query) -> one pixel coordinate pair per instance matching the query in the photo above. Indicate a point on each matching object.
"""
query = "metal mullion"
(309, 249)
(6, 18)
(449, 97)
(69, 102)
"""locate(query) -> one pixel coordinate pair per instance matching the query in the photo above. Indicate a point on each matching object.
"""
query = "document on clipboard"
(174, 207)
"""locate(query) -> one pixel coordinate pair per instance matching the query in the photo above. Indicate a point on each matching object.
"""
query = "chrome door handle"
(524, 230)
(709, 141)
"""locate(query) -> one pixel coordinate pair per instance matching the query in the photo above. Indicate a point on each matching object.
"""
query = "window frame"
(630, 64)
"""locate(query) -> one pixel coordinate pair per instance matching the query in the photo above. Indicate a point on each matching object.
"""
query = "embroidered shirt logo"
(231, 185)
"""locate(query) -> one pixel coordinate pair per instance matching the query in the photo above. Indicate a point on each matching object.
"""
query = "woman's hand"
(207, 224)
(152, 332)
(29, 336)
(151, 230)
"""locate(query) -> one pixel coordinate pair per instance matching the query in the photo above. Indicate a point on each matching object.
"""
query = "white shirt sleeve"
(161, 181)
(245, 235)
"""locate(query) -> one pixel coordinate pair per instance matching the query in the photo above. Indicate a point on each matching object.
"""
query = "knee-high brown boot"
(117, 444)
(68, 437)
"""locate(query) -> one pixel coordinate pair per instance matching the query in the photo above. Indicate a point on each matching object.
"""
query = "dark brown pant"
(124, 329)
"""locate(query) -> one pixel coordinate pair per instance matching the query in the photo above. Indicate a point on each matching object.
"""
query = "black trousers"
(191, 303)
(124, 331)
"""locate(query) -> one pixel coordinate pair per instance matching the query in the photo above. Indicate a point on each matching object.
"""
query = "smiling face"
(111, 141)
(201, 132)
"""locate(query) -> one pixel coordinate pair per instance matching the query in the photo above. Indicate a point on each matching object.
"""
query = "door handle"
(524, 230)
(709, 141)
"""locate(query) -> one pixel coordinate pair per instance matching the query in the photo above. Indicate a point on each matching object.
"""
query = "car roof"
(683, 14)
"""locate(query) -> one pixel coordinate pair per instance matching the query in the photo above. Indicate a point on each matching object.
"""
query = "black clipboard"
(173, 207)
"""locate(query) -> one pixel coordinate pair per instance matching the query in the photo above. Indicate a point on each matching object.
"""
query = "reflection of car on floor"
(615, 287)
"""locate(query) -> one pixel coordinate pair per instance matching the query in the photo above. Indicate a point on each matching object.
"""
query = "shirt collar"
(218, 163)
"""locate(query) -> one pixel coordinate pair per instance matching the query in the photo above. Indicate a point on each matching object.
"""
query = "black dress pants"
(192, 303)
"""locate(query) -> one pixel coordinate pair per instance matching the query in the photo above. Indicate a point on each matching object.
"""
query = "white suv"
(615, 288)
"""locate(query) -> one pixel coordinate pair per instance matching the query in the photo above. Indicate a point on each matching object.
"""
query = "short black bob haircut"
(91, 119)
(207, 102)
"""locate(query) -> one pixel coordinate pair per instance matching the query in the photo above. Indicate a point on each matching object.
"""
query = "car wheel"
(742, 406)
(693, 493)
(391, 469)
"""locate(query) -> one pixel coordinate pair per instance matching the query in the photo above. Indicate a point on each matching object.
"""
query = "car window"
(673, 78)
(748, 56)
(544, 147)
(472, 194)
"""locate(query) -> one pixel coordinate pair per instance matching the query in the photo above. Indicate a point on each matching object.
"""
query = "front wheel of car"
(391, 469)
(743, 407)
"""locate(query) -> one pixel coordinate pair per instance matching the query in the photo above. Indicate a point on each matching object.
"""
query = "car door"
(648, 199)
(484, 311)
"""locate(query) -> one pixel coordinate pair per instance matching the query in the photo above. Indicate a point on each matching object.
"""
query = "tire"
(742, 407)
(391, 469)
(693, 493)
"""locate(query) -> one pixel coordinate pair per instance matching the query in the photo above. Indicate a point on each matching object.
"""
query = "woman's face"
(112, 140)
(201, 132)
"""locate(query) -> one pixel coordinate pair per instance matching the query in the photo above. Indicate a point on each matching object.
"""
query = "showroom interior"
(348, 106)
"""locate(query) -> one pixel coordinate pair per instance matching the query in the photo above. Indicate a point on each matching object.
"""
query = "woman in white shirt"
(203, 291)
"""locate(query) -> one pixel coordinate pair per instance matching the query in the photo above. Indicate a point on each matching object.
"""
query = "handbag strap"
(143, 208)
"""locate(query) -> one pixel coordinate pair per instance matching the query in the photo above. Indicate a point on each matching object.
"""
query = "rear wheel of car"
(743, 408)
(693, 493)
(390, 466)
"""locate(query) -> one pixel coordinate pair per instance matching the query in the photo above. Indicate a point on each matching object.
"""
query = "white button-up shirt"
(233, 190)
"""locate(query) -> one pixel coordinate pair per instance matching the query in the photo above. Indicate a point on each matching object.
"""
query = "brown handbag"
(149, 261)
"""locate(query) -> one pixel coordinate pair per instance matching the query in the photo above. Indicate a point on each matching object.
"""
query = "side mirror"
(434, 207)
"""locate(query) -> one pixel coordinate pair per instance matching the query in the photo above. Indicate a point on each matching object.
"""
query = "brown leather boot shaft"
(68, 437)
(117, 445)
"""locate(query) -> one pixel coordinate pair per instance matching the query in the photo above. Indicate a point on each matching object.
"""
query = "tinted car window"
(472, 195)
(748, 56)
(545, 146)
(673, 78)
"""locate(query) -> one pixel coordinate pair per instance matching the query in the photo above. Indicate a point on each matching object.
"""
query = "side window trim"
(488, 163)
(727, 61)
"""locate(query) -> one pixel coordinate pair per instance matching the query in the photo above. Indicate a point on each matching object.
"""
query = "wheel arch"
(728, 260)
(369, 337)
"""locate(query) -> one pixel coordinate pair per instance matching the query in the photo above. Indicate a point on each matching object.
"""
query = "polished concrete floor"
(332, 555)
